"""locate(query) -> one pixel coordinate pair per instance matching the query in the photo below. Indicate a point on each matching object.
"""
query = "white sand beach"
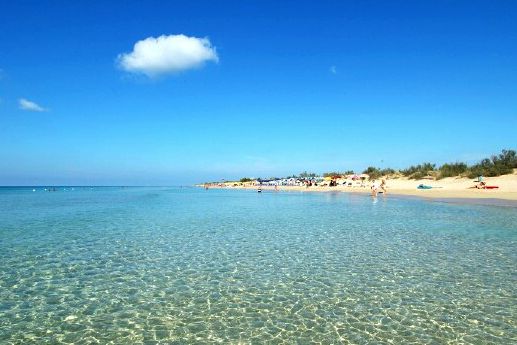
(451, 187)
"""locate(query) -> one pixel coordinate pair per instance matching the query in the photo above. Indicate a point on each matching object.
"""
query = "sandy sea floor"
(166, 265)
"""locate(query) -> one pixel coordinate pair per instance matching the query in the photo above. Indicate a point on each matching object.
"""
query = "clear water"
(189, 266)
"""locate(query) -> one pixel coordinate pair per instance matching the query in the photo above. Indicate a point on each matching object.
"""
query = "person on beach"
(481, 185)
(383, 186)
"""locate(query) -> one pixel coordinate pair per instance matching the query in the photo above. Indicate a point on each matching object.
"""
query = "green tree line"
(496, 165)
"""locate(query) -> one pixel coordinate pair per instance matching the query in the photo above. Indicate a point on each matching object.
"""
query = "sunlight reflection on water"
(165, 265)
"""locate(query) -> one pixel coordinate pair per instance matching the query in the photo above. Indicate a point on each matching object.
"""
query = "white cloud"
(167, 54)
(333, 69)
(25, 104)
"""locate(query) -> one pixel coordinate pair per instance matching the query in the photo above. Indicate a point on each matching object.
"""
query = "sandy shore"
(447, 188)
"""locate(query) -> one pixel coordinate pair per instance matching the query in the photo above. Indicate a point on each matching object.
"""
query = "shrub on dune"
(502, 164)
(418, 171)
(452, 169)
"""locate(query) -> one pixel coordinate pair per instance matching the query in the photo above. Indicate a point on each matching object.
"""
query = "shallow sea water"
(189, 266)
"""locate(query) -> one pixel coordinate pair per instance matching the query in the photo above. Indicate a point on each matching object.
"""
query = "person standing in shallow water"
(375, 188)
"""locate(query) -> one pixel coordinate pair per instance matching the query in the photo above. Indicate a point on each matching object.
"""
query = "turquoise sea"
(188, 266)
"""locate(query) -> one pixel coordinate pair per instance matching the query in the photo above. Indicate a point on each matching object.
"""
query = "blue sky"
(285, 87)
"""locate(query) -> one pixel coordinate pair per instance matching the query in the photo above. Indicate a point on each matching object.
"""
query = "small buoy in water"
(34, 190)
